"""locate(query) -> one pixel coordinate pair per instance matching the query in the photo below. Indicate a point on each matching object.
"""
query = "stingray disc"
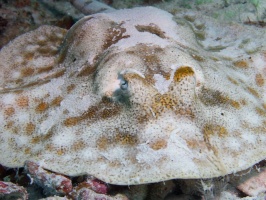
(133, 97)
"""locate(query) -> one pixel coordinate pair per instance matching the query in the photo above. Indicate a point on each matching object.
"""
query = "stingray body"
(134, 97)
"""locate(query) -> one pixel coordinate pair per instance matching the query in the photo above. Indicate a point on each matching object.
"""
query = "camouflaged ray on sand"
(134, 96)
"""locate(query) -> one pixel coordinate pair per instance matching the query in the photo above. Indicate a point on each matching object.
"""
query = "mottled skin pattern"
(131, 101)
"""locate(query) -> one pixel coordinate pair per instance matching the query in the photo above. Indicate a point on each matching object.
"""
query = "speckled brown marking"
(162, 102)
(253, 92)
(27, 71)
(34, 83)
(192, 143)
(22, 101)
(213, 97)
(70, 88)
(28, 56)
(188, 112)
(241, 64)
(30, 128)
(27, 151)
(78, 145)
(126, 138)
(56, 38)
(50, 147)
(190, 18)
(107, 113)
(243, 102)
(61, 151)
(9, 111)
(41, 107)
(103, 142)
(259, 80)
(143, 118)
(232, 80)
(158, 144)
(88, 70)
(261, 112)
(151, 28)
(36, 139)
(104, 110)
(9, 124)
(48, 135)
(149, 54)
(56, 101)
(42, 42)
(57, 74)
(72, 121)
(151, 60)
(115, 163)
(115, 33)
(44, 69)
(47, 50)
(212, 129)
(130, 76)
(183, 72)
(234, 103)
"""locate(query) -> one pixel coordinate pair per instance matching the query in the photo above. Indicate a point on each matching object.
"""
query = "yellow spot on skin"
(30, 127)
(241, 64)
(183, 72)
(22, 101)
(9, 111)
(259, 80)
(159, 144)
(41, 107)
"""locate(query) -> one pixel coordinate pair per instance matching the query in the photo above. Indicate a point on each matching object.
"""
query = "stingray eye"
(123, 84)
